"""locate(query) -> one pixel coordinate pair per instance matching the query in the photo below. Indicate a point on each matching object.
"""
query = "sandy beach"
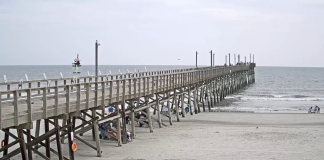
(214, 135)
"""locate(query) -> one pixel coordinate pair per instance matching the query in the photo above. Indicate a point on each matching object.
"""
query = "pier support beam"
(149, 119)
(132, 115)
(124, 124)
(182, 106)
(176, 106)
(208, 100)
(119, 143)
(204, 98)
(148, 112)
(70, 141)
(189, 101)
(30, 155)
(158, 110)
(63, 124)
(58, 140)
(37, 132)
(195, 100)
(47, 140)
(22, 144)
(169, 108)
(6, 141)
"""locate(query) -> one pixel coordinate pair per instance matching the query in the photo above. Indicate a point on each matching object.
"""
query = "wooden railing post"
(67, 98)
(78, 97)
(8, 89)
(87, 87)
(157, 83)
(103, 95)
(118, 89)
(124, 90)
(152, 85)
(56, 101)
(44, 102)
(139, 85)
(0, 110)
(96, 94)
(130, 87)
(144, 85)
(135, 87)
(110, 91)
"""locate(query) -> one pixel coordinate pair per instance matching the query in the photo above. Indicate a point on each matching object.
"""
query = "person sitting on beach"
(138, 115)
(144, 119)
(317, 109)
(310, 110)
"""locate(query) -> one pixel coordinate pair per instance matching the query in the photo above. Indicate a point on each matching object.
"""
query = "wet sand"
(217, 135)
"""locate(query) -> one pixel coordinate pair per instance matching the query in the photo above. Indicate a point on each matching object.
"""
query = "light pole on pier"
(245, 59)
(250, 58)
(211, 58)
(196, 59)
(234, 59)
(238, 57)
(226, 60)
(229, 59)
(96, 46)
(214, 60)
(253, 58)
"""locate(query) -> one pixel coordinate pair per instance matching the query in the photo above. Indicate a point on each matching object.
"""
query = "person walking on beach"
(318, 109)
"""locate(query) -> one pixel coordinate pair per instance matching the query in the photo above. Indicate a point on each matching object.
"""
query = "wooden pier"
(66, 99)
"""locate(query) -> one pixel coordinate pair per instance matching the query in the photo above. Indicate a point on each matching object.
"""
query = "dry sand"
(220, 136)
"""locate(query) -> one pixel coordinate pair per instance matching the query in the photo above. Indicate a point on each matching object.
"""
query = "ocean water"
(285, 89)
(282, 89)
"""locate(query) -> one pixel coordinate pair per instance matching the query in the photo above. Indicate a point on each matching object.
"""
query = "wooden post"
(63, 124)
(148, 112)
(133, 118)
(169, 108)
(182, 105)
(16, 109)
(96, 133)
(176, 105)
(58, 140)
(56, 101)
(203, 98)
(189, 100)
(195, 100)
(158, 110)
(6, 141)
(208, 96)
(118, 127)
(1, 110)
(200, 94)
(124, 124)
(70, 140)
(22, 144)
(8, 89)
(44, 103)
(37, 131)
(211, 95)
(47, 141)
(30, 156)
(103, 95)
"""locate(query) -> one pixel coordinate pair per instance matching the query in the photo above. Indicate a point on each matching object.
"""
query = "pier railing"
(26, 105)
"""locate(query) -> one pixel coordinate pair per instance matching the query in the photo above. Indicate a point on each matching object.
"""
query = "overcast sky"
(158, 32)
